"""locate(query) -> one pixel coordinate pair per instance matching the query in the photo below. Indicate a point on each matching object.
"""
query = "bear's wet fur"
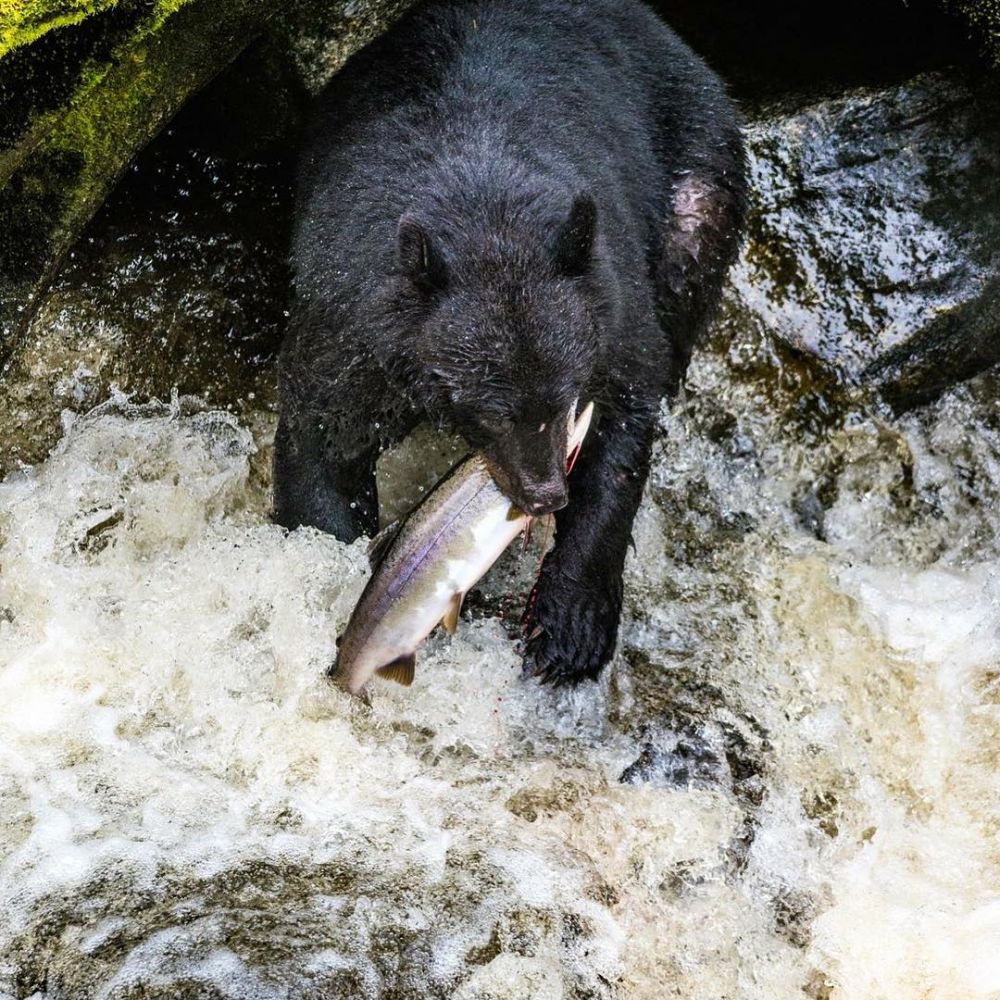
(504, 208)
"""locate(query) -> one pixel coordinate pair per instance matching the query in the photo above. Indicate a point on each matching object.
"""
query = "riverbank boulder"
(874, 242)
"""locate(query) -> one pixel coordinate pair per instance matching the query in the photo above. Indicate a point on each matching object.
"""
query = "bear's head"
(504, 334)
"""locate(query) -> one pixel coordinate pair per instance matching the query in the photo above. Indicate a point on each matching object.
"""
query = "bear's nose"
(545, 498)
(541, 507)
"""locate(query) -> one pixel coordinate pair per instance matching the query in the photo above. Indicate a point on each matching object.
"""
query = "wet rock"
(62, 156)
(266, 928)
(874, 245)
(179, 283)
(810, 510)
(692, 736)
(675, 761)
(321, 36)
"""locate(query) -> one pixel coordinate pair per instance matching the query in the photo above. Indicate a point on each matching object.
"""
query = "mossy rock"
(129, 75)
(25, 21)
(86, 84)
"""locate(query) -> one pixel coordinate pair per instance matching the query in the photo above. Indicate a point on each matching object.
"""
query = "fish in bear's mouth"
(424, 566)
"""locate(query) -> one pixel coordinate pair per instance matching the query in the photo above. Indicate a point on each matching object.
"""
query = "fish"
(423, 566)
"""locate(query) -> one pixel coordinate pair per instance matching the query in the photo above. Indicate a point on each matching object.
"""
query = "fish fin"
(450, 620)
(379, 545)
(401, 670)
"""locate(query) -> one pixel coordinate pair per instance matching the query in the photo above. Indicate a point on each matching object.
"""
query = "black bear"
(504, 207)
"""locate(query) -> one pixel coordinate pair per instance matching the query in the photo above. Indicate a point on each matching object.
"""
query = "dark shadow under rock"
(786, 48)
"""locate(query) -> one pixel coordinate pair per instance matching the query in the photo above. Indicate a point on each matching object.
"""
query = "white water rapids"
(808, 727)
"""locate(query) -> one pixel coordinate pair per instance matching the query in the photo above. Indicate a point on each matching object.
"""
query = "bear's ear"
(574, 243)
(418, 258)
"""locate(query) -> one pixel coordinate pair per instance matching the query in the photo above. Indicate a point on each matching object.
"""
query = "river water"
(785, 785)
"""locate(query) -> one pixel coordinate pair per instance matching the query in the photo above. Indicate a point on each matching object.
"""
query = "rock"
(114, 95)
(180, 281)
(88, 87)
(179, 284)
(874, 245)
(322, 36)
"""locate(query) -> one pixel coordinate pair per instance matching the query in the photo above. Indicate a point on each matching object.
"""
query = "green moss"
(25, 21)
(117, 107)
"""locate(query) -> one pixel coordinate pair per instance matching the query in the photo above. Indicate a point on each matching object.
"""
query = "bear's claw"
(569, 631)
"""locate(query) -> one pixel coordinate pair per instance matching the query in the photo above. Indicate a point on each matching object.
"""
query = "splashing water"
(785, 785)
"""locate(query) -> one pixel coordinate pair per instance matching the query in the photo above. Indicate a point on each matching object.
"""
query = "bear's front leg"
(571, 621)
(324, 475)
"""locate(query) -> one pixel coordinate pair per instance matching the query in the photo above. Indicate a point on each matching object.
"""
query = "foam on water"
(806, 727)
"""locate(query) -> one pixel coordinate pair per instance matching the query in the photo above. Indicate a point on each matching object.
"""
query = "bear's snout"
(543, 498)
(533, 497)
(534, 492)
